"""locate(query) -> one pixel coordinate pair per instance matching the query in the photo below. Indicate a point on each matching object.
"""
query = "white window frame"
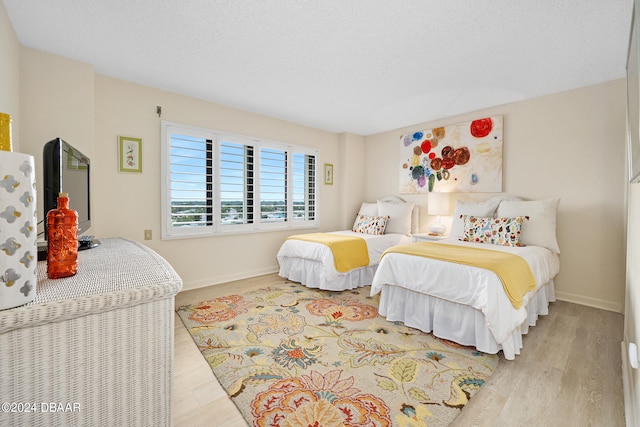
(217, 228)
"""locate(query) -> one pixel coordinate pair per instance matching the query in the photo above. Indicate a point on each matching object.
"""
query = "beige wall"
(126, 204)
(10, 75)
(569, 151)
(56, 100)
(349, 176)
(62, 97)
(569, 145)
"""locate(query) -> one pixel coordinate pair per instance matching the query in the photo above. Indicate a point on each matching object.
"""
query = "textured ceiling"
(358, 66)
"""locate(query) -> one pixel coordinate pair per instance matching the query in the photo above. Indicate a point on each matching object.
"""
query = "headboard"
(403, 215)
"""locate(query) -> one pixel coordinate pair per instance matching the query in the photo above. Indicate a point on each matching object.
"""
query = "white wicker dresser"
(95, 349)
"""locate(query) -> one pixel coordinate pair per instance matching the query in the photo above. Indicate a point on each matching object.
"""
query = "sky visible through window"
(192, 181)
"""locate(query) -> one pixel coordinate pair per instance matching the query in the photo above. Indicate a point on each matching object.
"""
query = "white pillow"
(540, 230)
(399, 216)
(481, 209)
(368, 209)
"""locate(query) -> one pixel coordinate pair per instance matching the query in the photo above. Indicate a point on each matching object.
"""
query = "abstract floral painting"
(465, 157)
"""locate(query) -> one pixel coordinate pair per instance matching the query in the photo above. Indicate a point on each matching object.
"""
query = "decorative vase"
(62, 238)
(18, 229)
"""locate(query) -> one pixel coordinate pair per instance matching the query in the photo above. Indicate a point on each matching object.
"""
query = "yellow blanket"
(514, 272)
(349, 252)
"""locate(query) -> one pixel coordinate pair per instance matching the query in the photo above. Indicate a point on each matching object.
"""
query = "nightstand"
(425, 237)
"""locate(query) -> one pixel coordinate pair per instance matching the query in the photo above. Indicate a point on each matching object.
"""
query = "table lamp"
(438, 204)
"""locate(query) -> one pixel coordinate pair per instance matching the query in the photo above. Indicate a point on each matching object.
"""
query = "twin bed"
(313, 264)
(463, 303)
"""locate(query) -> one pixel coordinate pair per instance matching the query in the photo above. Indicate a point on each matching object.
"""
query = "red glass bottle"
(62, 238)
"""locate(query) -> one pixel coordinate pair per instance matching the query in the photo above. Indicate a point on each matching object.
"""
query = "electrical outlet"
(147, 235)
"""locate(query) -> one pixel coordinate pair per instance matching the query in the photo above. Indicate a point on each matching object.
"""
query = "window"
(216, 183)
(236, 183)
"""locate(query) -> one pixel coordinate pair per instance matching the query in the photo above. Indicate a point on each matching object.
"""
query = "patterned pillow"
(507, 231)
(374, 225)
(477, 229)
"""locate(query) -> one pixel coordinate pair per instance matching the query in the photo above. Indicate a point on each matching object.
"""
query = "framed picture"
(130, 154)
(328, 173)
(633, 98)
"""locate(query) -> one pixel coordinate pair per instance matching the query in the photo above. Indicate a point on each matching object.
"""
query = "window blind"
(220, 183)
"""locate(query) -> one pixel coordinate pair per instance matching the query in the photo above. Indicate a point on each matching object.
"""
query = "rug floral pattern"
(292, 356)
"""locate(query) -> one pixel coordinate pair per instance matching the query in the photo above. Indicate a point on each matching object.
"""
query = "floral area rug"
(288, 355)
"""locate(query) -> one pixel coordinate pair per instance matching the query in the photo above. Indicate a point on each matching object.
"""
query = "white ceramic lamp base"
(437, 229)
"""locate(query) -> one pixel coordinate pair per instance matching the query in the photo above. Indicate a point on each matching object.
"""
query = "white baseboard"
(631, 408)
(563, 296)
(186, 286)
(591, 302)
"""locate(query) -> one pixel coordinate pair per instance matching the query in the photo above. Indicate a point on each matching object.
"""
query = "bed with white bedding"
(313, 265)
(467, 304)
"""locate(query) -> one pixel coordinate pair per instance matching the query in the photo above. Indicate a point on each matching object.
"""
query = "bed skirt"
(313, 274)
(462, 324)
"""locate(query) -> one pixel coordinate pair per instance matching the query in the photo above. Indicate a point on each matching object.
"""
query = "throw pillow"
(374, 225)
(507, 231)
(477, 229)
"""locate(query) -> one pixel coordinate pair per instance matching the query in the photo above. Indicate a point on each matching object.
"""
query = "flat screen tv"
(66, 170)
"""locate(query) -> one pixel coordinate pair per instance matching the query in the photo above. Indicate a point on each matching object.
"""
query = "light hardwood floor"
(569, 374)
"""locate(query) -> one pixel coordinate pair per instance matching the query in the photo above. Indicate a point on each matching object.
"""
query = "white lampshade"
(438, 204)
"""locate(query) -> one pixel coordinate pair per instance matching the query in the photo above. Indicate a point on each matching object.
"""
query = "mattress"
(462, 293)
(312, 264)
